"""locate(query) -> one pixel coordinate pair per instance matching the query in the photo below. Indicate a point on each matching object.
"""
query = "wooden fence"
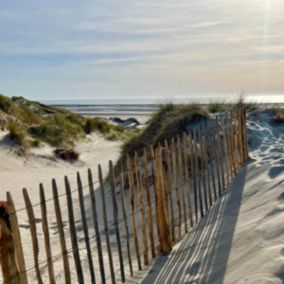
(108, 229)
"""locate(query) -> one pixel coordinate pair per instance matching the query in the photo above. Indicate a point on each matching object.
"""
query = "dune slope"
(241, 238)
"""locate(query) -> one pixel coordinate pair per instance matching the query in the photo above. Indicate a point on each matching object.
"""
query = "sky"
(111, 49)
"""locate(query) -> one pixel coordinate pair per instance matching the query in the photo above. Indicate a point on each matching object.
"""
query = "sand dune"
(241, 238)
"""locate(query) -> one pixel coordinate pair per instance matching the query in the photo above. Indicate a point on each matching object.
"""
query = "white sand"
(241, 238)
(239, 241)
(39, 166)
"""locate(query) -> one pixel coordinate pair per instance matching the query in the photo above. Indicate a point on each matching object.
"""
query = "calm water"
(142, 108)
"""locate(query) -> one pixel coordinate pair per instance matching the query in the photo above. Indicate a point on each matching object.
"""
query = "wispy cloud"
(139, 47)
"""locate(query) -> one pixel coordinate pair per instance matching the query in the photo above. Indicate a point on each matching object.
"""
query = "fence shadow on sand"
(203, 255)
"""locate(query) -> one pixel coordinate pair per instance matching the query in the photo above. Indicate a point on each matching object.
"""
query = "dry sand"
(241, 238)
(39, 166)
(239, 241)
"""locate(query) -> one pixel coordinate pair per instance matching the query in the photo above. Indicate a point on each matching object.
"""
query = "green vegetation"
(31, 123)
(16, 133)
(278, 114)
(169, 121)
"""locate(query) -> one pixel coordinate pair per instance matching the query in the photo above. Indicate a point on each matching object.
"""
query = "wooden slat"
(8, 259)
(220, 146)
(225, 153)
(240, 136)
(115, 220)
(168, 185)
(181, 181)
(85, 228)
(105, 219)
(61, 233)
(32, 224)
(155, 183)
(203, 166)
(193, 173)
(73, 233)
(45, 231)
(164, 238)
(17, 239)
(96, 225)
(206, 162)
(175, 183)
(133, 207)
(211, 146)
(197, 169)
(229, 147)
(124, 213)
(232, 135)
(149, 207)
(137, 166)
(185, 152)
(245, 135)
(217, 156)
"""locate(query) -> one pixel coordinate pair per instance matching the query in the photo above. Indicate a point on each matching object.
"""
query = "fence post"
(10, 270)
(164, 230)
(19, 255)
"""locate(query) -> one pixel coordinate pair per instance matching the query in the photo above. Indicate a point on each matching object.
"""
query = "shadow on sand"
(203, 254)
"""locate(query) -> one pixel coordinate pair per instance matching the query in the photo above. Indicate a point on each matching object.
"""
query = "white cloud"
(71, 39)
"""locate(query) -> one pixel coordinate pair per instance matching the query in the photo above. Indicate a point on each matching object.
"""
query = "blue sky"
(118, 49)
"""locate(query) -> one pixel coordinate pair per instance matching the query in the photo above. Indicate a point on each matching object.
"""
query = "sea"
(143, 108)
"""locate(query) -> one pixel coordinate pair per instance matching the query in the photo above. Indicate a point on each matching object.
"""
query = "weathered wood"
(33, 230)
(181, 181)
(185, 152)
(229, 148)
(60, 228)
(149, 207)
(240, 137)
(8, 259)
(211, 146)
(45, 231)
(133, 218)
(137, 166)
(225, 153)
(205, 151)
(198, 170)
(73, 233)
(216, 157)
(85, 228)
(203, 166)
(14, 226)
(246, 153)
(115, 220)
(164, 238)
(168, 184)
(127, 235)
(96, 225)
(220, 145)
(232, 130)
(175, 183)
(193, 173)
(106, 230)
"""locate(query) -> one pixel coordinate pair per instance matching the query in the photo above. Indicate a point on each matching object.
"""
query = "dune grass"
(169, 121)
(38, 123)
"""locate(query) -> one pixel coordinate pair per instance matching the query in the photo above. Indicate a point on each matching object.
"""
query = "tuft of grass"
(6, 105)
(16, 133)
(216, 107)
(97, 124)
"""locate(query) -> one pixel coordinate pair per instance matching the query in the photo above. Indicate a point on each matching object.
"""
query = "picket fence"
(115, 226)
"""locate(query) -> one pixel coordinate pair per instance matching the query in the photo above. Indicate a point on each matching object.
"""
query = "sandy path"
(241, 238)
